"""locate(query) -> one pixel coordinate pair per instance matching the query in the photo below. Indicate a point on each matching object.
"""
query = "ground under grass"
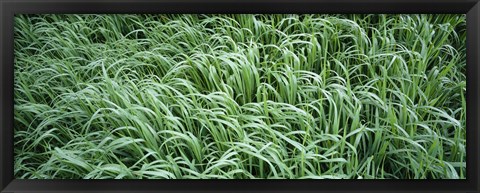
(240, 96)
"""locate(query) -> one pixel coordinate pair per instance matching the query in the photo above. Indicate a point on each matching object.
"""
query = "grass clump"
(240, 96)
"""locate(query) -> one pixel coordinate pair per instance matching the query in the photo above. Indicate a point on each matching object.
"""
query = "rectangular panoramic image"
(240, 96)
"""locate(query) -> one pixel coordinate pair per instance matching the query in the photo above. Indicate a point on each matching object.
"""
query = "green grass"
(240, 96)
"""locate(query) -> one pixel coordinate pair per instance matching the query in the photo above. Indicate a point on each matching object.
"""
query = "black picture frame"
(8, 8)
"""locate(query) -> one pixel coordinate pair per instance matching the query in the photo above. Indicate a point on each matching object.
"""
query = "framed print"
(239, 96)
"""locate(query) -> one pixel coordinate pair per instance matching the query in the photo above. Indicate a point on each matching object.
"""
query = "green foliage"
(240, 96)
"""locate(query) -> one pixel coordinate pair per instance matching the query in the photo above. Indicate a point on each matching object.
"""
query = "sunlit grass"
(240, 96)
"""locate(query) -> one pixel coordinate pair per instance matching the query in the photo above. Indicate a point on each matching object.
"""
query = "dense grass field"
(240, 96)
